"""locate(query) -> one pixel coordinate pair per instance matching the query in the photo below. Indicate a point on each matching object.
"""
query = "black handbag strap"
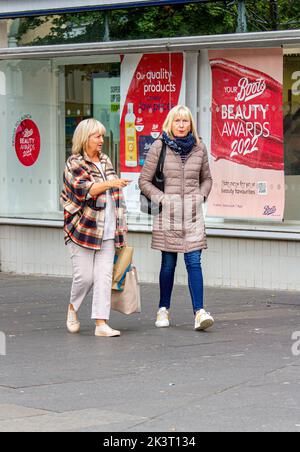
(161, 160)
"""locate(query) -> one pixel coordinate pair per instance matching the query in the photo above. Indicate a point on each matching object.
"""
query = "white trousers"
(93, 269)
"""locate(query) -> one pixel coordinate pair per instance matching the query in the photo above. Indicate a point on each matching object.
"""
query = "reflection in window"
(291, 99)
(94, 90)
(292, 114)
(189, 19)
(2, 84)
(125, 24)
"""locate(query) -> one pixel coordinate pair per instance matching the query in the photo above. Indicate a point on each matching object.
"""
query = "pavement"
(242, 375)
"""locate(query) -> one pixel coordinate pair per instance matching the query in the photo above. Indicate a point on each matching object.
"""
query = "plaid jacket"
(84, 216)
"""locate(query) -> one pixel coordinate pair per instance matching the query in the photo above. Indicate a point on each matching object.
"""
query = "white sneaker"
(203, 320)
(162, 320)
(105, 330)
(73, 324)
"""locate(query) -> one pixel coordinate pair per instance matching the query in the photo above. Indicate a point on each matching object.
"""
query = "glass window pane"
(292, 134)
(28, 140)
(190, 19)
(291, 108)
(106, 109)
(93, 90)
(124, 24)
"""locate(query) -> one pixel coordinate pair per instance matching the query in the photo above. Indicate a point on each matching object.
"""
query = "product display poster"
(247, 134)
(151, 85)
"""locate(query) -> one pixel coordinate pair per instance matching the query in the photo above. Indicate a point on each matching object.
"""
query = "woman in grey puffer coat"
(180, 227)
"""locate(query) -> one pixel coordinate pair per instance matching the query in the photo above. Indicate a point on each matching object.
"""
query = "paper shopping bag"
(122, 264)
(129, 300)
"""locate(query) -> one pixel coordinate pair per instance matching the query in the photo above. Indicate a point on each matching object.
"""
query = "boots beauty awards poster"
(151, 85)
(247, 134)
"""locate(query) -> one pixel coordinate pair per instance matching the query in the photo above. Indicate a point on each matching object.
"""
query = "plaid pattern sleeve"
(77, 184)
(84, 217)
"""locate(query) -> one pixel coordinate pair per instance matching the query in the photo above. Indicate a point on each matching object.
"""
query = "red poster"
(27, 142)
(247, 134)
(151, 86)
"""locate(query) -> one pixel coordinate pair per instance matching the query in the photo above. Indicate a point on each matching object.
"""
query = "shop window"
(291, 96)
(124, 24)
(93, 90)
(177, 19)
(41, 103)
(28, 140)
(289, 188)
(2, 84)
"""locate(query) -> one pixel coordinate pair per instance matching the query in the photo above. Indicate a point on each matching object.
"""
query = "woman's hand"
(119, 183)
(101, 187)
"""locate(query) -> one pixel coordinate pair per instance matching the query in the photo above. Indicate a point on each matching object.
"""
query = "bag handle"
(161, 161)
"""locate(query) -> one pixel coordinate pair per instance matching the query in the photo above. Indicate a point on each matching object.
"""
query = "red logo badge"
(27, 142)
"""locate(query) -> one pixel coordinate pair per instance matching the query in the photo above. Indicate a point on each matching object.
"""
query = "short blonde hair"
(83, 131)
(180, 111)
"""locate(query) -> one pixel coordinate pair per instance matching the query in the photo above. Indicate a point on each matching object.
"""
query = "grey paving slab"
(241, 375)
(12, 412)
(68, 421)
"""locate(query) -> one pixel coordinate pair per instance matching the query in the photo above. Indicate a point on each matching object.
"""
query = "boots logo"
(250, 90)
(269, 210)
(28, 133)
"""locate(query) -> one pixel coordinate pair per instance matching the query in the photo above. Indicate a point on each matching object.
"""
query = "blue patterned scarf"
(182, 146)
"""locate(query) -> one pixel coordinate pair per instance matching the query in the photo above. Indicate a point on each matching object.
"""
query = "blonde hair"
(184, 112)
(83, 131)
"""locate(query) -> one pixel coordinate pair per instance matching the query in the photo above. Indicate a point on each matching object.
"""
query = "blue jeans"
(167, 273)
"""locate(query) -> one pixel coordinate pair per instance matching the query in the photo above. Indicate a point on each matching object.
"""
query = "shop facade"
(244, 91)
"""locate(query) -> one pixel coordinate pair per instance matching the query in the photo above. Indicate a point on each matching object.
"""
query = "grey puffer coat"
(180, 227)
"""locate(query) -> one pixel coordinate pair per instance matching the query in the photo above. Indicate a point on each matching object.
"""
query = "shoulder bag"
(146, 205)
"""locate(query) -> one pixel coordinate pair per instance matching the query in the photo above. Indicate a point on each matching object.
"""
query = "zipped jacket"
(180, 227)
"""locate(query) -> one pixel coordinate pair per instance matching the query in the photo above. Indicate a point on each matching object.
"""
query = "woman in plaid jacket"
(94, 223)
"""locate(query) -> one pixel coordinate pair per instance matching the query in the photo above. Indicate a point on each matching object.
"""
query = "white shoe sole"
(107, 335)
(204, 325)
(73, 329)
(162, 325)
